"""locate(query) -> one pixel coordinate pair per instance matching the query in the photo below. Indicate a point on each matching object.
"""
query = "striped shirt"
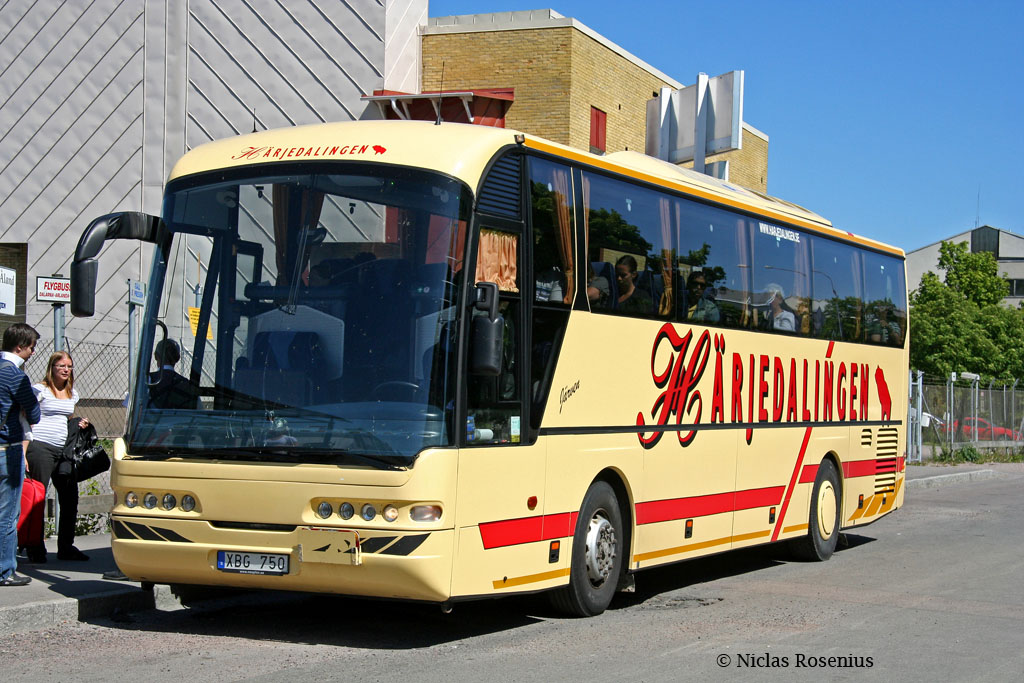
(53, 425)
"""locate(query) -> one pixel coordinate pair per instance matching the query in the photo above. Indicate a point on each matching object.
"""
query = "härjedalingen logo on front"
(272, 152)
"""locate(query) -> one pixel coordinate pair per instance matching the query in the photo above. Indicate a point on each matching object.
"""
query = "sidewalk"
(74, 591)
(69, 591)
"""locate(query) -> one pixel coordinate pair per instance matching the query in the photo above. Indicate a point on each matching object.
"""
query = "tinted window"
(781, 295)
(885, 315)
(836, 306)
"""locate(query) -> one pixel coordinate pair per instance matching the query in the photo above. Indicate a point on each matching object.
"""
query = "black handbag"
(83, 452)
(90, 462)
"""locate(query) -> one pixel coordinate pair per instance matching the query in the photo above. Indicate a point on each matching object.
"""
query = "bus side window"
(836, 299)
(554, 238)
(494, 408)
(714, 266)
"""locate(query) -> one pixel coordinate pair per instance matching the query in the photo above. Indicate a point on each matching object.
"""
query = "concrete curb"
(34, 616)
(130, 598)
(955, 478)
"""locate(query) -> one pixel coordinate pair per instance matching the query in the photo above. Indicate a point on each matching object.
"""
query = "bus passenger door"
(499, 515)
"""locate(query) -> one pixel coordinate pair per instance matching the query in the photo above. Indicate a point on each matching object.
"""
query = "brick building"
(570, 84)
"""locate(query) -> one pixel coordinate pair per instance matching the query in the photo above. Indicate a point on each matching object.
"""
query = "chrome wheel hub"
(600, 549)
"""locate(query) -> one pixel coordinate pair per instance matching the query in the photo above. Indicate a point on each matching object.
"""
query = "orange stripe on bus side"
(679, 549)
(530, 578)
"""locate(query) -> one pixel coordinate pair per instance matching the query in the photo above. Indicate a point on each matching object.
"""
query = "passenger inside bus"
(700, 299)
(632, 299)
(780, 315)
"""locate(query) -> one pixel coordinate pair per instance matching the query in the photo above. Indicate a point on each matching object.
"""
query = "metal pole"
(58, 327)
(919, 410)
(131, 345)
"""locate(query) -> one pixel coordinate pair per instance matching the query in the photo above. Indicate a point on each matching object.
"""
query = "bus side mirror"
(125, 225)
(488, 332)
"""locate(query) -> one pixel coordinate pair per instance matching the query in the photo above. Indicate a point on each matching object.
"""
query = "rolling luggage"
(30, 522)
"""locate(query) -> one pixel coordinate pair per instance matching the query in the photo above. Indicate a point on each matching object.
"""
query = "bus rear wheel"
(823, 525)
(597, 555)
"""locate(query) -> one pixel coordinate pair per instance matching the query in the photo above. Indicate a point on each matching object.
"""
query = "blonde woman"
(57, 398)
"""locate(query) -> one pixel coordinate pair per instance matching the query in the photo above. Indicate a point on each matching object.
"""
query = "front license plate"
(251, 563)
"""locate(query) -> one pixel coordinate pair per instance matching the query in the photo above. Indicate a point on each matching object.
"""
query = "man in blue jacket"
(16, 397)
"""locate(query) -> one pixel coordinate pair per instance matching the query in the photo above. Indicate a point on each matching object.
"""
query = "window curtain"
(285, 250)
(665, 209)
(560, 181)
(497, 258)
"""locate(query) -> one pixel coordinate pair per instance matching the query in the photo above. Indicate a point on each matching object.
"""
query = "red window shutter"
(598, 126)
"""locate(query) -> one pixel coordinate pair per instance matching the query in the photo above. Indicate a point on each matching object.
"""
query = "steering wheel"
(394, 387)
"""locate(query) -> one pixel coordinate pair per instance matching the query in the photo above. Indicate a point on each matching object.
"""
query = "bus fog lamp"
(131, 499)
(188, 503)
(325, 510)
(425, 513)
(169, 501)
(390, 513)
(368, 512)
(149, 501)
(346, 510)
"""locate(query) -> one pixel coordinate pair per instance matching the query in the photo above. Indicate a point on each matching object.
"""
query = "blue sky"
(887, 117)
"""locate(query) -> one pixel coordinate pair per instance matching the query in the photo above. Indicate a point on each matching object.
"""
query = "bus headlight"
(390, 513)
(368, 512)
(188, 503)
(149, 501)
(346, 510)
(425, 513)
(131, 499)
(169, 501)
(325, 510)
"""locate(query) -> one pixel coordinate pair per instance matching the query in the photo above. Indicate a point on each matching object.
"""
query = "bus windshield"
(303, 316)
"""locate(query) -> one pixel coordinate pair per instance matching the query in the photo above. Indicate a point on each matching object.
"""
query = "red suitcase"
(30, 522)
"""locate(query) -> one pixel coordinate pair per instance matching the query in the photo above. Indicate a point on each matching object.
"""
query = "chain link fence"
(951, 413)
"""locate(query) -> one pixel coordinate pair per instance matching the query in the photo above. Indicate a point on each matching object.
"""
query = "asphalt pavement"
(73, 590)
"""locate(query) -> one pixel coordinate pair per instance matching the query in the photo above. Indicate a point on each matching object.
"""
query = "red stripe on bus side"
(527, 529)
(859, 468)
(701, 506)
(808, 474)
(792, 485)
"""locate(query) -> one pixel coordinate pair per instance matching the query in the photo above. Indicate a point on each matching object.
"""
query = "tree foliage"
(960, 325)
(975, 276)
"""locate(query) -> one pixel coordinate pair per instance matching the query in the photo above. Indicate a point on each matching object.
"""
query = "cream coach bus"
(647, 365)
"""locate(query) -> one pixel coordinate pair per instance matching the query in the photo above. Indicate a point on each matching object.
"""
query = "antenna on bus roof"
(254, 119)
(439, 96)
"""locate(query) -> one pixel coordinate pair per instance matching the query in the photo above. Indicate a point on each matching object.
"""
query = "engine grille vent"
(501, 193)
(865, 438)
(885, 465)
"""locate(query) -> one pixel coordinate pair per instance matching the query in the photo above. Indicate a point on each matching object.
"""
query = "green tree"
(959, 325)
(975, 276)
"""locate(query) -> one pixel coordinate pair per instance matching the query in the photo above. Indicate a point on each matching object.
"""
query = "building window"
(1016, 288)
(598, 126)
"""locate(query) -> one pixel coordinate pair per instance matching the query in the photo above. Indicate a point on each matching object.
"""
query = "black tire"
(823, 524)
(597, 555)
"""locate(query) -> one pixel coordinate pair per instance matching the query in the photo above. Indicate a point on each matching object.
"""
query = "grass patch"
(972, 455)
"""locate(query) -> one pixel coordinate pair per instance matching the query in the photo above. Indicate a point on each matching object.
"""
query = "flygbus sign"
(53, 289)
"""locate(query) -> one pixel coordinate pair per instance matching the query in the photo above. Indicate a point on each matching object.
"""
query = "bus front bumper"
(387, 563)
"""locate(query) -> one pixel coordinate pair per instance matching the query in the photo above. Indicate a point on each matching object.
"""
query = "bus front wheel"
(597, 549)
(823, 525)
